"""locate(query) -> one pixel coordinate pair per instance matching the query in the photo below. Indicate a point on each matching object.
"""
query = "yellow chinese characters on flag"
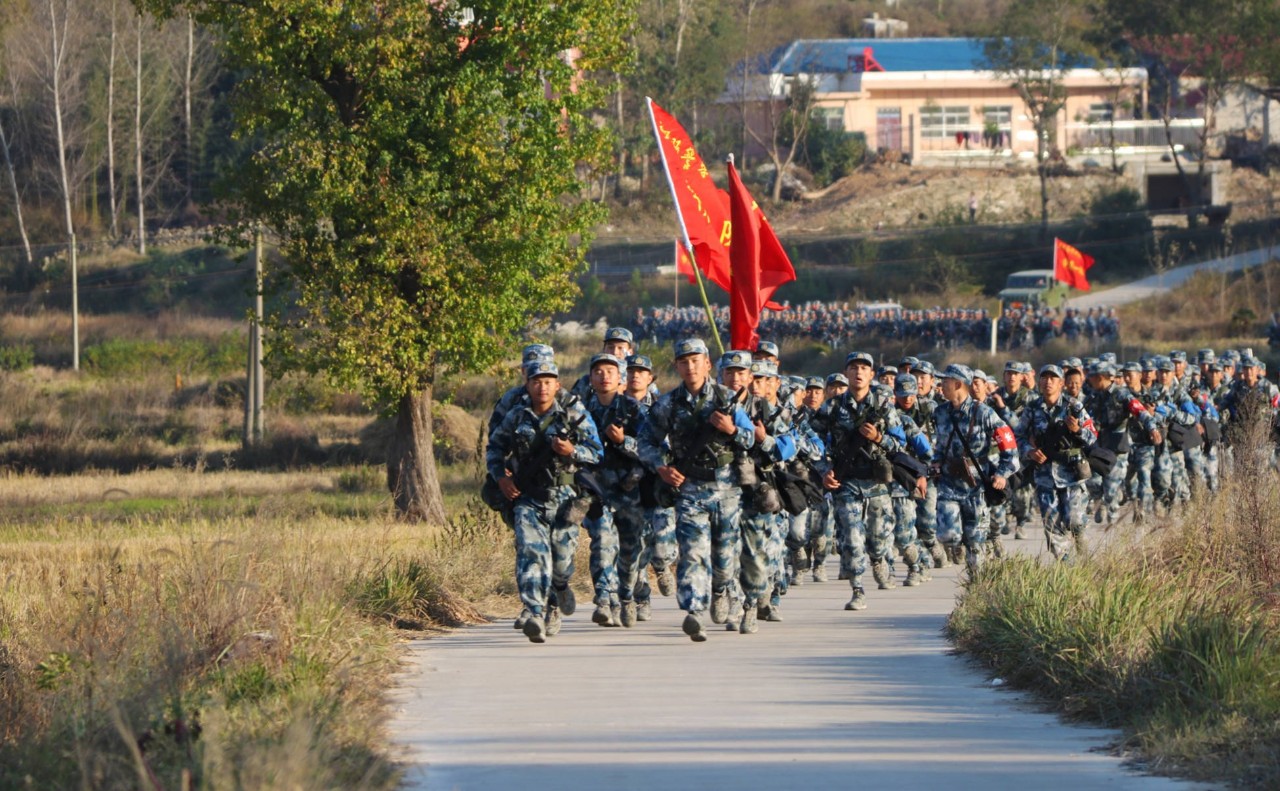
(1070, 265)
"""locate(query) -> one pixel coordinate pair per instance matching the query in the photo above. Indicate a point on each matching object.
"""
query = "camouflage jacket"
(1043, 428)
(837, 424)
(972, 429)
(523, 433)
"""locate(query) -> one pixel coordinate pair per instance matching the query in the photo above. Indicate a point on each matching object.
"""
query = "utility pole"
(253, 391)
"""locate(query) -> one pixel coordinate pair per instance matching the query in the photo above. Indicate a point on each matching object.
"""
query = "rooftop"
(836, 55)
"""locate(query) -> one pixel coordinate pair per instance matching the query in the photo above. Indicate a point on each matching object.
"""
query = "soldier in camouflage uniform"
(1113, 408)
(518, 395)
(659, 548)
(1008, 403)
(762, 515)
(967, 430)
(546, 442)
(1251, 397)
(1055, 433)
(822, 527)
(859, 429)
(620, 519)
(618, 343)
(924, 413)
(1211, 390)
(800, 536)
(1146, 441)
(1180, 415)
(689, 439)
(906, 502)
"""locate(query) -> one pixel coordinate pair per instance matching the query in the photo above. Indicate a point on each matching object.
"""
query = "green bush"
(124, 357)
(833, 154)
(17, 358)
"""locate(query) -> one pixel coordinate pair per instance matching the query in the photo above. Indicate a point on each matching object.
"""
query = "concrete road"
(1158, 284)
(827, 699)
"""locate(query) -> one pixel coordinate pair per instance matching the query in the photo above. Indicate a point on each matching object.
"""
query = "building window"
(997, 117)
(831, 118)
(939, 122)
(1101, 112)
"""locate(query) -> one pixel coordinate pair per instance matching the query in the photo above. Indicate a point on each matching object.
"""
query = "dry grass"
(247, 649)
(1226, 309)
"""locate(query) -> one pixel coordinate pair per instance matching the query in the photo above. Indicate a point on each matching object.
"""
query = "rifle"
(539, 471)
(854, 452)
(664, 494)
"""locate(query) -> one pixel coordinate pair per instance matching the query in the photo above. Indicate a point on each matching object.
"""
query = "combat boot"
(820, 572)
(913, 577)
(535, 629)
(565, 600)
(973, 561)
(997, 547)
(859, 600)
(628, 616)
(615, 614)
(719, 606)
(883, 577)
(693, 627)
(735, 615)
(643, 611)
(955, 554)
(666, 581)
(602, 615)
(553, 621)
(939, 556)
(775, 614)
(748, 623)
(1019, 534)
(799, 565)
(524, 616)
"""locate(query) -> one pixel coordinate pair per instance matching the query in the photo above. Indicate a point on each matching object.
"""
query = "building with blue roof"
(921, 98)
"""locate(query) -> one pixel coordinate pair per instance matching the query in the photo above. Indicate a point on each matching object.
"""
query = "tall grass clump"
(1172, 635)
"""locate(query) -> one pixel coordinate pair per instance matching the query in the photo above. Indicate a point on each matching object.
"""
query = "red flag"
(684, 266)
(758, 262)
(1069, 265)
(703, 208)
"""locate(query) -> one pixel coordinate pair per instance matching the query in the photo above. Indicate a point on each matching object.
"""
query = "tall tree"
(1034, 44)
(6, 142)
(421, 169)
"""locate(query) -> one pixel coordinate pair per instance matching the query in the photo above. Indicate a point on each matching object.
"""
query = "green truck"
(1032, 287)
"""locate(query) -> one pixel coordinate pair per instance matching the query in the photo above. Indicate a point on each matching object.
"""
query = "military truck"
(1032, 288)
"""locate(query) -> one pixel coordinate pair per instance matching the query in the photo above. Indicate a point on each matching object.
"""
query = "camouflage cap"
(1205, 356)
(859, 357)
(924, 367)
(837, 379)
(764, 368)
(1214, 366)
(607, 359)
(1148, 364)
(540, 368)
(1012, 366)
(1071, 364)
(537, 351)
(1050, 370)
(1103, 368)
(1108, 357)
(909, 362)
(884, 369)
(1178, 356)
(1163, 363)
(905, 385)
(690, 346)
(796, 381)
(1250, 362)
(735, 359)
(813, 382)
(767, 347)
(1132, 367)
(619, 334)
(961, 373)
(1026, 368)
(640, 361)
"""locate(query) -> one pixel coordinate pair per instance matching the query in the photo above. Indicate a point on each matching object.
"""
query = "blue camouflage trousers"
(756, 575)
(1063, 510)
(862, 523)
(927, 516)
(604, 557)
(658, 549)
(962, 519)
(1112, 487)
(710, 541)
(905, 510)
(545, 544)
(1142, 460)
(778, 556)
(631, 527)
(822, 527)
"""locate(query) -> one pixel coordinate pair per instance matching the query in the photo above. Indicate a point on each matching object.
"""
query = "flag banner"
(701, 206)
(1069, 265)
(758, 263)
(684, 264)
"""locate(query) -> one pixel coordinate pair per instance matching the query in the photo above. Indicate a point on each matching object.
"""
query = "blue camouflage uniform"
(905, 506)
(862, 504)
(707, 504)
(968, 432)
(1061, 481)
(1114, 409)
(546, 522)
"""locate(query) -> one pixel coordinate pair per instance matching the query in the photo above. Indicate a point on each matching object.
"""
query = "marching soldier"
(659, 548)
(546, 442)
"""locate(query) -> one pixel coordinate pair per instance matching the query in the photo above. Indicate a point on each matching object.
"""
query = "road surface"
(1158, 284)
(827, 699)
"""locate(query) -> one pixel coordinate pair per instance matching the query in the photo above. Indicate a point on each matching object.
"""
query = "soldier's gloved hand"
(670, 476)
(722, 422)
(829, 481)
(872, 433)
(1037, 456)
(508, 487)
(615, 434)
(760, 432)
(999, 482)
(562, 447)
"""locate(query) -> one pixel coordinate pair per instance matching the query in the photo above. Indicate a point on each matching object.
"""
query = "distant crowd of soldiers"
(836, 324)
(740, 481)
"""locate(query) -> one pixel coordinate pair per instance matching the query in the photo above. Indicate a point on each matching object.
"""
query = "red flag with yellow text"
(1069, 265)
(757, 261)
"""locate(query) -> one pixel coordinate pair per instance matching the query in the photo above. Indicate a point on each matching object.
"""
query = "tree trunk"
(137, 143)
(186, 110)
(1042, 170)
(57, 50)
(411, 462)
(111, 127)
(17, 196)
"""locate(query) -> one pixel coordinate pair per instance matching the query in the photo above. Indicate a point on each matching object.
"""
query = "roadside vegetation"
(1171, 634)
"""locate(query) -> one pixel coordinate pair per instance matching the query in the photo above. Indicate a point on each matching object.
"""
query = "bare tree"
(111, 125)
(5, 146)
(137, 143)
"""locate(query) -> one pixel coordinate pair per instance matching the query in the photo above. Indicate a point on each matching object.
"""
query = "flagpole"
(684, 232)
